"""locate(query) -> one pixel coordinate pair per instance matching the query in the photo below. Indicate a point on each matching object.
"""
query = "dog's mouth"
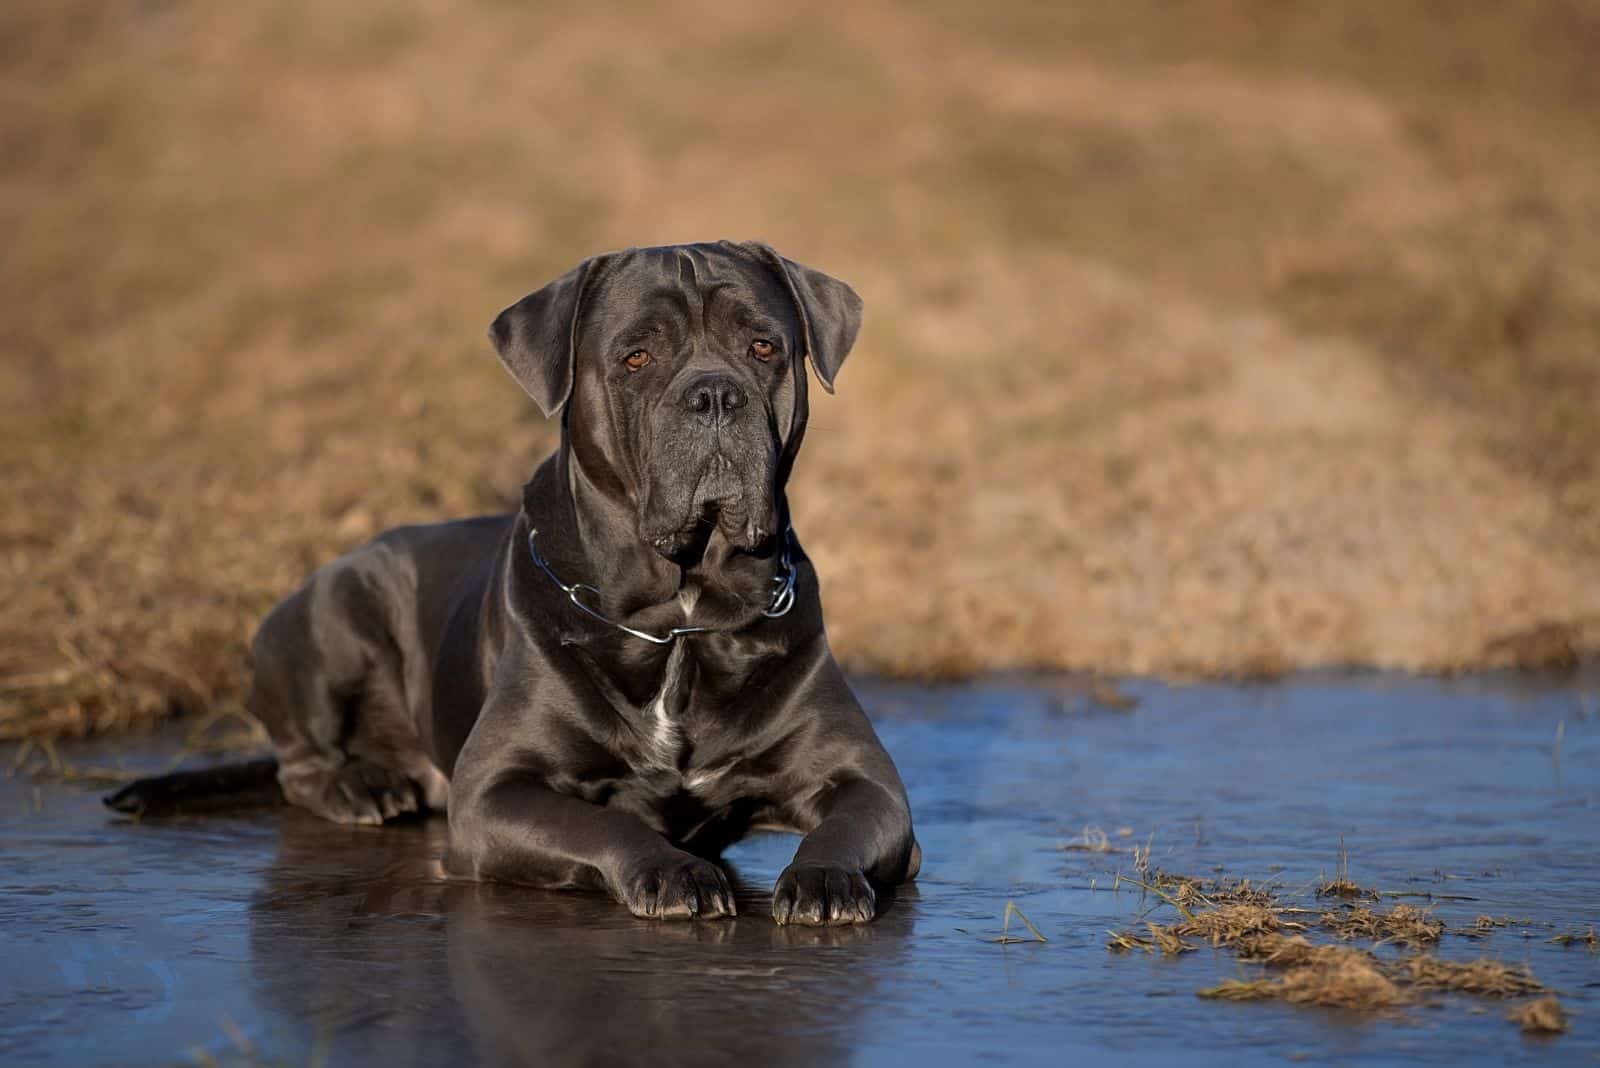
(720, 501)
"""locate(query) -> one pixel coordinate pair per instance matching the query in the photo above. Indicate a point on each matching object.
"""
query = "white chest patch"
(666, 735)
(700, 779)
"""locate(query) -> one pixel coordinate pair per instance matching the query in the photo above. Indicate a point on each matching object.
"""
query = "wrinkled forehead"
(695, 288)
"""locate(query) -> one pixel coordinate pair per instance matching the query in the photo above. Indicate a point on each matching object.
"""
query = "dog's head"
(680, 375)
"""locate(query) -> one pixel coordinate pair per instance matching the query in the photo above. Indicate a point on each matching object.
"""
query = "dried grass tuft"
(1187, 891)
(1484, 926)
(1571, 938)
(1542, 1017)
(1006, 938)
(1344, 888)
(1240, 990)
(1483, 977)
(1184, 890)
(1341, 885)
(1346, 982)
(1404, 925)
(1256, 927)
(1343, 982)
(1228, 924)
(1162, 939)
(1282, 951)
(1240, 892)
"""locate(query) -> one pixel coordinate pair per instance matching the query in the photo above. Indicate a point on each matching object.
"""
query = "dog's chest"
(664, 741)
(668, 751)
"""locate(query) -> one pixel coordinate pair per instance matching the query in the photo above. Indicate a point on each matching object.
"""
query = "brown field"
(1212, 338)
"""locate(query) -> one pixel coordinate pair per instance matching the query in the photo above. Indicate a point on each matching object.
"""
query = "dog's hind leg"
(329, 687)
(349, 755)
(385, 738)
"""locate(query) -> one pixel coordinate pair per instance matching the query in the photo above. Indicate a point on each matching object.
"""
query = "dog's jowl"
(608, 687)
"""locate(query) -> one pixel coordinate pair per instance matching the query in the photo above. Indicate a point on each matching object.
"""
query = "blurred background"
(1222, 337)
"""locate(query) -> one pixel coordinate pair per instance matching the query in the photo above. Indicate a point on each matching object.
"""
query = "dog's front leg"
(864, 836)
(515, 829)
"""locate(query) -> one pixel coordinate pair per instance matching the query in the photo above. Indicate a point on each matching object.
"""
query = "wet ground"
(271, 936)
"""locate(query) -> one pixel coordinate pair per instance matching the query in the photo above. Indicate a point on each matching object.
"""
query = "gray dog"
(609, 687)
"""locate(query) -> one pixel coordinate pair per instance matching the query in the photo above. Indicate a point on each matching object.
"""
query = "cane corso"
(610, 686)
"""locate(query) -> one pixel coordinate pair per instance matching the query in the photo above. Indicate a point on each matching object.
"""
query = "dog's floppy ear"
(830, 311)
(537, 337)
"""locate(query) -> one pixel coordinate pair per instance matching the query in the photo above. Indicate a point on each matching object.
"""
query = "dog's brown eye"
(637, 359)
(761, 349)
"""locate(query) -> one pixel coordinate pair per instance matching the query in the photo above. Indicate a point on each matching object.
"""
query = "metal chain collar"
(782, 593)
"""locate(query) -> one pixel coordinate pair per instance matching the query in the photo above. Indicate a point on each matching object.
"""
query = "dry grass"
(39, 760)
(1334, 976)
(1227, 924)
(1345, 983)
(1006, 938)
(1588, 939)
(1341, 885)
(1302, 972)
(1542, 1017)
(1484, 926)
(1485, 978)
(1238, 892)
(1186, 891)
(1161, 939)
(1403, 925)
(1225, 339)
(1291, 951)
(1341, 977)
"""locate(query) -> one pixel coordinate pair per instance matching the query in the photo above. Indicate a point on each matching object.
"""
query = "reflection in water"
(343, 935)
(134, 942)
(549, 982)
(346, 933)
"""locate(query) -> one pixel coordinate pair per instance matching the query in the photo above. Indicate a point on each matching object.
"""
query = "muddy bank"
(135, 943)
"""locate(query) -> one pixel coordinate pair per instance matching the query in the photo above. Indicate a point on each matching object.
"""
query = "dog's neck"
(588, 531)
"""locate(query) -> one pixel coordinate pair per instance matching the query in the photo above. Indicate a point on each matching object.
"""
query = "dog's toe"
(361, 792)
(350, 802)
(683, 887)
(819, 894)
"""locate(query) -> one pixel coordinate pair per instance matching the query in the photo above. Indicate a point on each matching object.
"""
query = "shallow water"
(271, 932)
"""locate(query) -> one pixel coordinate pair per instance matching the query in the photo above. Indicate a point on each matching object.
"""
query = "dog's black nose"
(714, 398)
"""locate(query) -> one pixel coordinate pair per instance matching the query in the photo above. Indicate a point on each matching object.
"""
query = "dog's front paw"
(818, 894)
(680, 887)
